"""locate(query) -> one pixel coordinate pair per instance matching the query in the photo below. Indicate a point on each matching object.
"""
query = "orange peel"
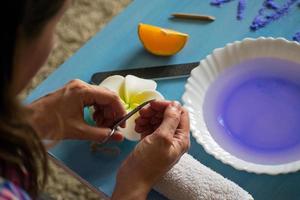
(161, 41)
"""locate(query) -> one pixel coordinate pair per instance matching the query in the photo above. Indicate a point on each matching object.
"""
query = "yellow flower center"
(129, 106)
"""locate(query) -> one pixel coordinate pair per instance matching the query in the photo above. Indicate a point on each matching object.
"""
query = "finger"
(159, 105)
(96, 95)
(143, 129)
(107, 123)
(155, 120)
(139, 129)
(108, 113)
(171, 119)
(123, 125)
(97, 114)
(141, 121)
(146, 133)
(99, 122)
(147, 112)
(87, 132)
(106, 118)
(184, 124)
(159, 115)
(143, 135)
(155, 126)
(118, 108)
(182, 134)
(117, 136)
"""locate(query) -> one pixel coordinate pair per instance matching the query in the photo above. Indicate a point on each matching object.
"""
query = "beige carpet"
(81, 22)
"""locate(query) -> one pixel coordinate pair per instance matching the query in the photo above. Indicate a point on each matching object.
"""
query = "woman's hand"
(61, 112)
(165, 137)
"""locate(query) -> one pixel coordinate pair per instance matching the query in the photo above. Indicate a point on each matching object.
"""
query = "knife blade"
(154, 72)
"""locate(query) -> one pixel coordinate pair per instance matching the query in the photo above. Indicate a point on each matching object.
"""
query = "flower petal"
(113, 83)
(129, 132)
(134, 85)
(133, 91)
(145, 96)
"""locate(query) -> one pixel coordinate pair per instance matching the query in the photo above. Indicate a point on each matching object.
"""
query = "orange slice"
(161, 41)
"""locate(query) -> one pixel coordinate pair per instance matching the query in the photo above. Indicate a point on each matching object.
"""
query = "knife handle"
(155, 72)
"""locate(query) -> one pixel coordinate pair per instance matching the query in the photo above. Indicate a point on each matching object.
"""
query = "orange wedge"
(161, 41)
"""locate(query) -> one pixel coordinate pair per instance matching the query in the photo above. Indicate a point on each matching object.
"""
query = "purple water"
(253, 110)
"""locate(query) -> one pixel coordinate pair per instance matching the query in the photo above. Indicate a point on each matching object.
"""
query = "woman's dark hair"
(21, 149)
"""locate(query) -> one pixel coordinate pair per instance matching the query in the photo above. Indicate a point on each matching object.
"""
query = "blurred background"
(83, 20)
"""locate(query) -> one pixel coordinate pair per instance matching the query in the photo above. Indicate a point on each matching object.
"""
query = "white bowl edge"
(205, 139)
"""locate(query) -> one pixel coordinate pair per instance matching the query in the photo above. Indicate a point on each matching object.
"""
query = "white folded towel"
(190, 180)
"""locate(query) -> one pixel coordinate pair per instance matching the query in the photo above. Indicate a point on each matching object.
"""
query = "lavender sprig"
(271, 4)
(240, 10)
(296, 37)
(219, 2)
(262, 20)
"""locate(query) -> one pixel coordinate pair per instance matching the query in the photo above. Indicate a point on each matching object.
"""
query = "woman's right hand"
(165, 137)
(62, 112)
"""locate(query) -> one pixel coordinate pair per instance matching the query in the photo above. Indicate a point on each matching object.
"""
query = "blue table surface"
(118, 47)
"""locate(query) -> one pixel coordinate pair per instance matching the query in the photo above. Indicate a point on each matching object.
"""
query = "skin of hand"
(59, 115)
(165, 137)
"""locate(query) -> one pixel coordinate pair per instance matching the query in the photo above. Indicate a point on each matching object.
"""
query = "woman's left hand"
(61, 112)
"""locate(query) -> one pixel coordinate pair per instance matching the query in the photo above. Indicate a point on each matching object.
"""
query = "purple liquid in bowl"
(252, 110)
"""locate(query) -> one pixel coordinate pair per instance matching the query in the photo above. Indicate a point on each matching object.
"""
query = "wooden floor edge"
(76, 176)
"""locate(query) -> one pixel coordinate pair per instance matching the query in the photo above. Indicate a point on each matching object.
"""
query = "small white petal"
(129, 132)
(113, 83)
(134, 91)
(145, 96)
(134, 85)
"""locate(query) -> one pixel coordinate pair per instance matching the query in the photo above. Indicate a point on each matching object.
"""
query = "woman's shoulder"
(10, 191)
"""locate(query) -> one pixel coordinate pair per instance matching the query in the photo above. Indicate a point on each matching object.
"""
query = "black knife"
(154, 72)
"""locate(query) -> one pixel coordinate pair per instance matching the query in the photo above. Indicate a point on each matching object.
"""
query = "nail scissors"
(123, 119)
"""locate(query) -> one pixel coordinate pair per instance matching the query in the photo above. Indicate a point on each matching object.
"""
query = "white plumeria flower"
(133, 91)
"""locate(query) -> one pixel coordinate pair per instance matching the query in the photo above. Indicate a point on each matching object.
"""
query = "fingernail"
(176, 104)
(174, 108)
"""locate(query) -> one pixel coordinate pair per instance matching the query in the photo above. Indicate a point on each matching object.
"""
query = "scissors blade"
(118, 123)
(128, 115)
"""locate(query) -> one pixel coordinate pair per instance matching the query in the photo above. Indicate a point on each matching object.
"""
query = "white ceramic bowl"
(209, 68)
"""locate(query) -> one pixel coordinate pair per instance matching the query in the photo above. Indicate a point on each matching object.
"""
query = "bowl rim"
(213, 148)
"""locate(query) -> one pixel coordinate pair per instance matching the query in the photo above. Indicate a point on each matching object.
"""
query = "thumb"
(97, 134)
(171, 119)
